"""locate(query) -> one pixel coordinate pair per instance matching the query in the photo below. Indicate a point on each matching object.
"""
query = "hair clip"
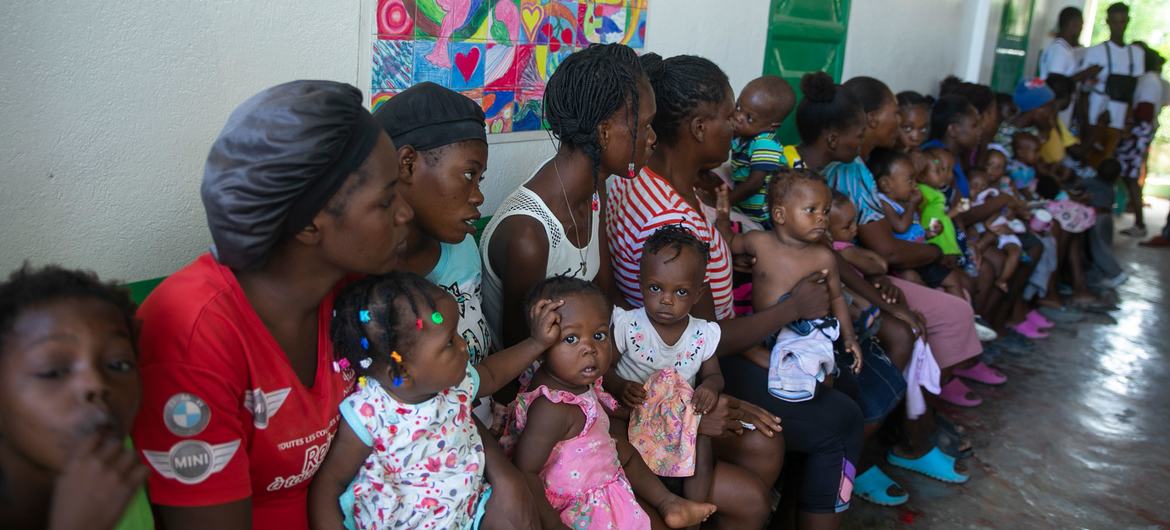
(397, 380)
(365, 343)
(334, 313)
(396, 356)
(418, 323)
(366, 362)
(437, 317)
(361, 381)
(364, 316)
(343, 363)
(336, 367)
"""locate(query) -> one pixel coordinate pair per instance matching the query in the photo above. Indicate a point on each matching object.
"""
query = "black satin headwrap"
(283, 153)
(427, 116)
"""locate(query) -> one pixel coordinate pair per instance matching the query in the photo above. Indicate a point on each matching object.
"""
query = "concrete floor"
(1080, 435)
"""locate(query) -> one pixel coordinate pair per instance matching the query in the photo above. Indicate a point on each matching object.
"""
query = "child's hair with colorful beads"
(379, 318)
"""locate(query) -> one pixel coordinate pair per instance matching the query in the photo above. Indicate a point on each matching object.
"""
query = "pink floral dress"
(583, 478)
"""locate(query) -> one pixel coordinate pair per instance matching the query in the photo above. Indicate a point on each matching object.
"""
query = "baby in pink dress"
(563, 443)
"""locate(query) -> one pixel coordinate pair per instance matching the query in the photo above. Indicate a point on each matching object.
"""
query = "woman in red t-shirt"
(239, 395)
(240, 399)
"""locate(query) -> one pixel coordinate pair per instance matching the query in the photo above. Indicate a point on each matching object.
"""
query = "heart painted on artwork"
(466, 63)
(531, 16)
(554, 45)
(546, 30)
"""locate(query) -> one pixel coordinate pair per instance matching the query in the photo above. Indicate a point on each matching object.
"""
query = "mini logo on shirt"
(186, 414)
(263, 406)
(192, 461)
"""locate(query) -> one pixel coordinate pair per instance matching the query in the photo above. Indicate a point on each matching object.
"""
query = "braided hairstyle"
(379, 315)
(676, 236)
(681, 85)
(785, 181)
(825, 107)
(27, 287)
(588, 87)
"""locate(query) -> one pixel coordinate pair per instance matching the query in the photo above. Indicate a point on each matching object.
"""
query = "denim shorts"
(878, 388)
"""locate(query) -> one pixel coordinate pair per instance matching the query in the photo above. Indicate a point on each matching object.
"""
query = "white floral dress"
(426, 467)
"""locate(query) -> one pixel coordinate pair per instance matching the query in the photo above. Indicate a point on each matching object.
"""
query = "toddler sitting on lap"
(803, 355)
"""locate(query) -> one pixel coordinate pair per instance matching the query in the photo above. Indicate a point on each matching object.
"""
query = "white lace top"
(563, 258)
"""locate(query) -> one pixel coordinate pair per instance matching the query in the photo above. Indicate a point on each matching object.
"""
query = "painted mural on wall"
(499, 53)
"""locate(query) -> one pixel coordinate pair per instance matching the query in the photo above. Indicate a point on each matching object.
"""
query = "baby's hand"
(633, 394)
(704, 399)
(854, 349)
(95, 486)
(722, 202)
(545, 322)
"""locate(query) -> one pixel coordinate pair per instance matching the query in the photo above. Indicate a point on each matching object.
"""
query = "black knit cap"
(426, 116)
(279, 159)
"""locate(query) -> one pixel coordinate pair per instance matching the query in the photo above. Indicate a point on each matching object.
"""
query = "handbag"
(1120, 87)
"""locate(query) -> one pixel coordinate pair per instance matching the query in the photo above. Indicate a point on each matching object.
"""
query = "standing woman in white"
(1063, 56)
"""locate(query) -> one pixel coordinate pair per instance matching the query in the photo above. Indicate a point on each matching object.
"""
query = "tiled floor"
(1080, 435)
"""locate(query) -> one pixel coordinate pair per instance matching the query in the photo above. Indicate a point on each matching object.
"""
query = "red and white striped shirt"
(635, 209)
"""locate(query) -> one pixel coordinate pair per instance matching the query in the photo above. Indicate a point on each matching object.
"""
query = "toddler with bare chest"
(802, 353)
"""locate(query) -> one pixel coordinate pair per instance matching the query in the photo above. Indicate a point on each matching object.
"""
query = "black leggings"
(827, 428)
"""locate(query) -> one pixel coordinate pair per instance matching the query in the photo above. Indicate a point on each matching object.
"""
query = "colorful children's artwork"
(498, 52)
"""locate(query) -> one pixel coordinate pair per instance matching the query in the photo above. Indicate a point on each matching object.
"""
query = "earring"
(630, 170)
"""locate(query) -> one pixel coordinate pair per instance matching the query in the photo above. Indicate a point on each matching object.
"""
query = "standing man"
(1113, 86)
(1063, 55)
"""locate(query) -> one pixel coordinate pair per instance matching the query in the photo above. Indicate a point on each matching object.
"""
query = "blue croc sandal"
(874, 486)
(935, 464)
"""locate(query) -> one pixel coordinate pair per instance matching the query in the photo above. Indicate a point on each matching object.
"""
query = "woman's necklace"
(584, 264)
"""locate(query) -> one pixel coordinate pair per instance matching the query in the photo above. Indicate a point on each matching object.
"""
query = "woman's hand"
(95, 486)
(890, 292)
(730, 414)
(632, 394)
(811, 295)
(915, 321)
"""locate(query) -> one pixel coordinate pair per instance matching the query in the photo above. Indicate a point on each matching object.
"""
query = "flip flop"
(874, 486)
(981, 373)
(955, 393)
(934, 464)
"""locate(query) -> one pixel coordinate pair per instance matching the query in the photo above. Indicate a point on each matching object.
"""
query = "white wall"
(914, 44)
(108, 109)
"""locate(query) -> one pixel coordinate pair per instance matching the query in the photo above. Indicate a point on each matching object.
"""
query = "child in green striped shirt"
(756, 152)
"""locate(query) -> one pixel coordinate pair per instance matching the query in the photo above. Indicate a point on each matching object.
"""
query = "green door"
(1011, 48)
(805, 36)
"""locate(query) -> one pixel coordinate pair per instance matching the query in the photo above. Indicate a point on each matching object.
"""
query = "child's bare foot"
(678, 512)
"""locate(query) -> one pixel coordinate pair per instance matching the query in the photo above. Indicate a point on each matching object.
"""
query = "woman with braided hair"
(599, 106)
